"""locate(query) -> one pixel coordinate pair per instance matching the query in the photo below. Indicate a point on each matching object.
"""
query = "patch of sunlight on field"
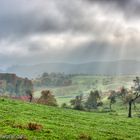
(84, 84)
(61, 100)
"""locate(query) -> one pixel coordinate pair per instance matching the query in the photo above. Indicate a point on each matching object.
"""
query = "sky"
(74, 31)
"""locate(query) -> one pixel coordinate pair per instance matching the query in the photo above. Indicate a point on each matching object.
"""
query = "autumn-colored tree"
(47, 98)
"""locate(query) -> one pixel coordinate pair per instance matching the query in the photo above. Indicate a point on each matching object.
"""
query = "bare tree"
(112, 98)
(30, 94)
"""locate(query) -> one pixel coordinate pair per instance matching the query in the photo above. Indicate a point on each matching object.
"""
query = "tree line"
(53, 79)
(14, 85)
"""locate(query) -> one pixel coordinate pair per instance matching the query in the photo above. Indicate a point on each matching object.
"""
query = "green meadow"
(64, 124)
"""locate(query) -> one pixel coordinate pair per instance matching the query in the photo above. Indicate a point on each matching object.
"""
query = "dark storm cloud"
(130, 8)
(28, 23)
(119, 2)
(26, 20)
(19, 19)
(50, 17)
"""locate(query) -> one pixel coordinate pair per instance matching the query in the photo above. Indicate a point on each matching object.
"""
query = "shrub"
(84, 137)
(34, 126)
(64, 105)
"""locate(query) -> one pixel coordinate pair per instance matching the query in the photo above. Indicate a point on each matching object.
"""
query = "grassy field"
(84, 84)
(65, 124)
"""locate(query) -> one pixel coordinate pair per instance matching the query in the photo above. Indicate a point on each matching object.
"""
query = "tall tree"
(77, 103)
(93, 99)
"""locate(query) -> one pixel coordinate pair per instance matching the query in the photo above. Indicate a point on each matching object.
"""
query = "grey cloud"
(26, 18)
(88, 51)
(68, 17)
(130, 8)
(20, 20)
(28, 24)
(33, 19)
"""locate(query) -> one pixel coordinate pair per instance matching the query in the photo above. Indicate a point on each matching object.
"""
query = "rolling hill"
(18, 119)
(96, 67)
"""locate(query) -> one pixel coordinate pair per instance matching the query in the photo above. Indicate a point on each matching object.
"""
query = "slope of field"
(64, 124)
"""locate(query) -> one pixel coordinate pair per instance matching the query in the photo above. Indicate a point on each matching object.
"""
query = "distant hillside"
(96, 67)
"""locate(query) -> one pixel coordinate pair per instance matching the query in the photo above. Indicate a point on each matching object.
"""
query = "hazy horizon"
(68, 62)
